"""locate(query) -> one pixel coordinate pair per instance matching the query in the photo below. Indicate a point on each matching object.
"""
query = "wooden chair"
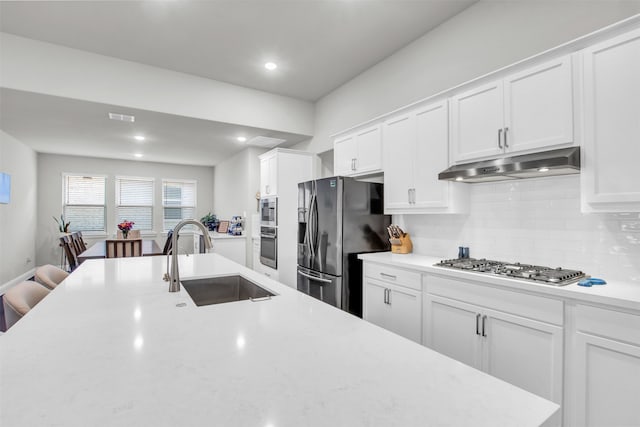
(78, 242)
(133, 234)
(122, 248)
(50, 276)
(81, 246)
(69, 251)
(20, 299)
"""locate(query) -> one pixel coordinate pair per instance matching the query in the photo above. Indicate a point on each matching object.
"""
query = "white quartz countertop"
(615, 293)
(111, 346)
(216, 235)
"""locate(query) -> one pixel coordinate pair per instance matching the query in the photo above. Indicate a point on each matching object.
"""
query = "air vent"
(122, 117)
(265, 142)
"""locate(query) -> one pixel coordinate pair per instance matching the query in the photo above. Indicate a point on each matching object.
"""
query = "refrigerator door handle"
(317, 279)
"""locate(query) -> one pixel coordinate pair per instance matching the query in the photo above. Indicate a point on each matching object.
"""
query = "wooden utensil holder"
(402, 245)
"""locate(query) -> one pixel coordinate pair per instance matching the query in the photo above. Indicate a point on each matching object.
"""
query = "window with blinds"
(84, 202)
(178, 202)
(134, 201)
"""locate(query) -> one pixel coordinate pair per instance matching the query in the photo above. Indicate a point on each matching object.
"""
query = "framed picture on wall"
(223, 226)
(5, 188)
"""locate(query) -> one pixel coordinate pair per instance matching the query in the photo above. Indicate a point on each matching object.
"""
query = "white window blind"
(84, 202)
(134, 202)
(178, 202)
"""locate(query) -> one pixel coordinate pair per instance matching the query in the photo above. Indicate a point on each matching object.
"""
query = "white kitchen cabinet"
(358, 153)
(231, 247)
(525, 111)
(610, 173)
(284, 169)
(509, 335)
(605, 364)
(393, 300)
(416, 147)
(269, 175)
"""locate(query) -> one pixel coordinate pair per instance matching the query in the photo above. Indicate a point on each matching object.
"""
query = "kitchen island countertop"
(111, 346)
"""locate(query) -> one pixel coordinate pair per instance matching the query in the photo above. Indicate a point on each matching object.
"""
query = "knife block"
(403, 245)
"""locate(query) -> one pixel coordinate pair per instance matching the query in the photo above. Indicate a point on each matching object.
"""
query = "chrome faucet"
(174, 277)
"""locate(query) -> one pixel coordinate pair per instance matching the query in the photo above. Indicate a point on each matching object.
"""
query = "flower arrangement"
(63, 227)
(125, 226)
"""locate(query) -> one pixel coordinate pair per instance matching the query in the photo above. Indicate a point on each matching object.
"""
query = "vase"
(125, 234)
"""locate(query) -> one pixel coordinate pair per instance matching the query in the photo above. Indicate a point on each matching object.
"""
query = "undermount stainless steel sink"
(221, 289)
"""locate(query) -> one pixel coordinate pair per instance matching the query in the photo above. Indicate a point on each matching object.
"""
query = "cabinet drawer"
(532, 306)
(399, 276)
(608, 323)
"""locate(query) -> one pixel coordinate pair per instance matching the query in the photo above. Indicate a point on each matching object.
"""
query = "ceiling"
(51, 124)
(317, 44)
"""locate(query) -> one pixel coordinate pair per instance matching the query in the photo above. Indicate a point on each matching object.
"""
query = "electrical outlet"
(28, 260)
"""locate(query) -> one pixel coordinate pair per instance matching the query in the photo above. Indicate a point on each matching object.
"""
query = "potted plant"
(63, 226)
(210, 221)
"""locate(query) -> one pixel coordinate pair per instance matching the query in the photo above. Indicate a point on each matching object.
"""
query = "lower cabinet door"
(607, 382)
(375, 309)
(406, 312)
(523, 352)
(452, 328)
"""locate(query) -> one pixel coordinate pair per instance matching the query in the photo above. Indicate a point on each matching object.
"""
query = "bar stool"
(20, 299)
(50, 276)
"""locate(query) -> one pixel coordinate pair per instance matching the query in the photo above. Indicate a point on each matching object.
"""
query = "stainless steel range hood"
(564, 161)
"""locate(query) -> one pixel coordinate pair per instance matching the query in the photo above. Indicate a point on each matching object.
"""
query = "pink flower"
(126, 225)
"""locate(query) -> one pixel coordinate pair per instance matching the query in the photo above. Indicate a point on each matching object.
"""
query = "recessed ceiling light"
(543, 170)
(270, 66)
(459, 178)
(241, 138)
(139, 138)
(138, 155)
(122, 117)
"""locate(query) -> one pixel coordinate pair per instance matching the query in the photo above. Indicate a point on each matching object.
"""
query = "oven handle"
(317, 279)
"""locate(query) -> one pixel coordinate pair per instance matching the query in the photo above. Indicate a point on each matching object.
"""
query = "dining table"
(99, 250)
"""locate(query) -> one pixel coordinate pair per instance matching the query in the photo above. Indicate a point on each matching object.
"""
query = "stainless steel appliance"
(269, 211)
(535, 273)
(563, 161)
(269, 246)
(338, 218)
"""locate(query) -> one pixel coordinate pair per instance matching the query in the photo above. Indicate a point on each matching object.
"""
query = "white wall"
(50, 170)
(18, 218)
(534, 221)
(482, 38)
(236, 182)
(35, 66)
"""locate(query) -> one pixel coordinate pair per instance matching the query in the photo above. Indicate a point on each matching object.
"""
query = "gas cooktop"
(534, 273)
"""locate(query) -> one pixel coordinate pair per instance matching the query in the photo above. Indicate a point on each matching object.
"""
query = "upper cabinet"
(528, 110)
(358, 153)
(416, 149)
(269, 174)
(610, 173)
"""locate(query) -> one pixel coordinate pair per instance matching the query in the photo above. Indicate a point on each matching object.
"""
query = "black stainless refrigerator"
(338, 218)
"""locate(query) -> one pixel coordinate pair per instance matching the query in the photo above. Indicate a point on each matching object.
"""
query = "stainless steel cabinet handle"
(413, 196)
(478, 324)
(484, 321)
(499, 138)
(353, 164)
(317, 279)
(505, 138)
(385, 295)
(390, 276)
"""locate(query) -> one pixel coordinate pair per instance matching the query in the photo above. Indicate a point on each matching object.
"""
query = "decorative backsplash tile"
(535, 221)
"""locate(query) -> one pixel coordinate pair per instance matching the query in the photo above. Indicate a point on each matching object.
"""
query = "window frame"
(117, 204)
(195, 199)
(65, 176)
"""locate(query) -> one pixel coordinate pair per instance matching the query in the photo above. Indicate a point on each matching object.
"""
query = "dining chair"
(50, 275)
(69, 251)
(133, 234)
(122, 248)
(78, 242)
(168, 243)
(18, 300)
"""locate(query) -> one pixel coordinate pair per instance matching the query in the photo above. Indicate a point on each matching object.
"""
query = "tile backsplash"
(535, 221)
